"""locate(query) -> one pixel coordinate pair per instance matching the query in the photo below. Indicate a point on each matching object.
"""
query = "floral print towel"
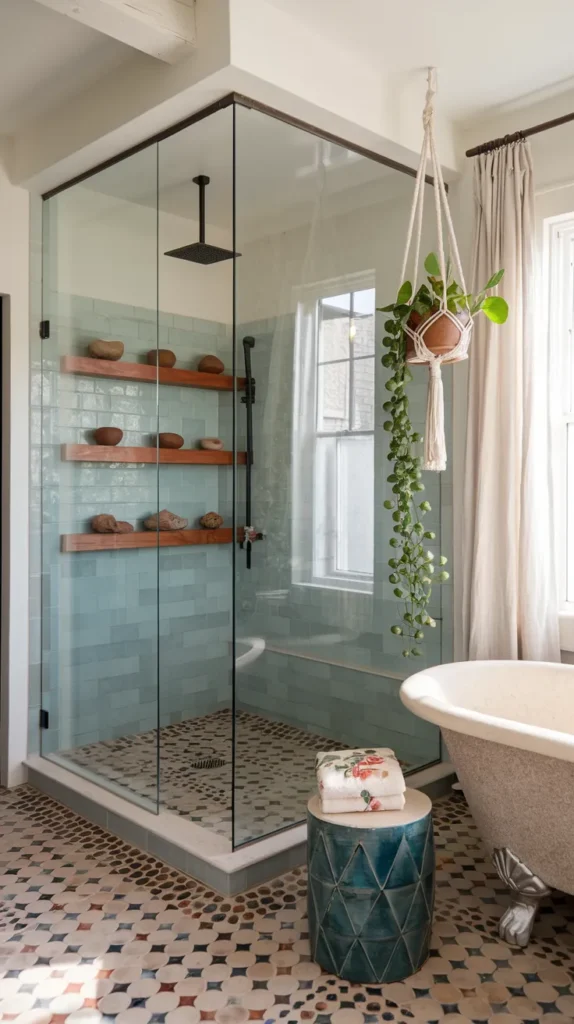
(370, 780)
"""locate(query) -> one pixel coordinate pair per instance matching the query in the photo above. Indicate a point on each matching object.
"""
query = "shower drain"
(208, 762)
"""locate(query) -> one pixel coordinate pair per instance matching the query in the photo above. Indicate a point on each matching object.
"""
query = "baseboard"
(196, 851)
(204, 855)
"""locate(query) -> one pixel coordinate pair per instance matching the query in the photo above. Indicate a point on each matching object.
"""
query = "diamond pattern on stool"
(93, 931)
(371, 898)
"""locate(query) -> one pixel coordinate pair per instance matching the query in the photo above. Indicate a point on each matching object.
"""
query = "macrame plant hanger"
(434, 444)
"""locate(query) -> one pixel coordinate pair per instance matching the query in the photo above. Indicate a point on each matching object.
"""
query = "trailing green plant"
(412, 564)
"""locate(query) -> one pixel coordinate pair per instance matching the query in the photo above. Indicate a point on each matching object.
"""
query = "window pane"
(364, 394)
(363, 324)
(342, 303)
(334, 328)
(570, 514)
(333, 397)
(355, 504)
(568, 317)
(324, 525)
(364, 302)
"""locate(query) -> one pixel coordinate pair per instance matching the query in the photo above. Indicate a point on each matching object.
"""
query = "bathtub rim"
(508, 732)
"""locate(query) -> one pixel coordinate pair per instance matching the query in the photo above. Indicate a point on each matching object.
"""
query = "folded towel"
(357, 803)
(359, 774)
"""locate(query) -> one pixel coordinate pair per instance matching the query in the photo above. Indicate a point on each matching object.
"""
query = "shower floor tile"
(274, 770)
(93, 931)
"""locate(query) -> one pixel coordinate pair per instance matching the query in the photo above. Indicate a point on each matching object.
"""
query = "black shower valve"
(249, 533)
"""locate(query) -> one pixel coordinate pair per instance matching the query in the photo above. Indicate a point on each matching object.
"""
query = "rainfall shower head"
(202, 252)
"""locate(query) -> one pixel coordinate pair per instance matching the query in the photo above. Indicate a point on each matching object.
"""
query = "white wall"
(368, 236)
(552, 151)
(14, 289)
(280, 52)
(107, 248)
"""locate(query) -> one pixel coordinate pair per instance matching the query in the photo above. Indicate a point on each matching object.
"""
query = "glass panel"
(355, 504)
(195, 301)
(333, 397)
(321, 231)
(570, 511)
(99, 598)
(334, 328)
(363, 394)
(363, 322)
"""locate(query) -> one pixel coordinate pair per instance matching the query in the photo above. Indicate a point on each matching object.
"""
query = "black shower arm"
(202, 180)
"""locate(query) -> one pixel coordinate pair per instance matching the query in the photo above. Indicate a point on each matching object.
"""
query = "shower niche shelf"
(167, 456)
(77, 542)
(87, 367)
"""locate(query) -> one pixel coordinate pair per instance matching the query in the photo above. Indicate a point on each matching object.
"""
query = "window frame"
(308, 563)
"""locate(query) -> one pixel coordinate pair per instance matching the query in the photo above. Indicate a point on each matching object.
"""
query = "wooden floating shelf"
(71, 542)
(167, 456)
(116, 370)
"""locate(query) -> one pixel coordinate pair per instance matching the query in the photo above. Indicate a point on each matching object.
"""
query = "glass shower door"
(316, 666)
(196, 583)
(94, 425)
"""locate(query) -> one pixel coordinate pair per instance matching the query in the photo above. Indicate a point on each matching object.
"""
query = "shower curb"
(187, 847)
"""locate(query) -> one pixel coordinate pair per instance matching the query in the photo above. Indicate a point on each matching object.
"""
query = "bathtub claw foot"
(527, 890)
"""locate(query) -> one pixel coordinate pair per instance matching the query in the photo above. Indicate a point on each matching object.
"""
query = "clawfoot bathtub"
(509, 729)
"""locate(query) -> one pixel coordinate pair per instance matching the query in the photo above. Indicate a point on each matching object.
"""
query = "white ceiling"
(44, 57)
(488, 53)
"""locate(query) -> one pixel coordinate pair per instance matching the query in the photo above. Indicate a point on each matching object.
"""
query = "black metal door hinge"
(44, 719)
(44, 329)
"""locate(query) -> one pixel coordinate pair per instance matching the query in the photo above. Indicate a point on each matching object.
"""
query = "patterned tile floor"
(92, 930)
(265, 800)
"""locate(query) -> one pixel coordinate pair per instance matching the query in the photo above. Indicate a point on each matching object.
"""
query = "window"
(334, 438)
(559, 253)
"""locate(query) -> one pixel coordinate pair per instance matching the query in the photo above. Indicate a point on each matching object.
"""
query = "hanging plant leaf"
(496, 309)
(412, 573)
(494, 280)
(432, 265)
(405, 292)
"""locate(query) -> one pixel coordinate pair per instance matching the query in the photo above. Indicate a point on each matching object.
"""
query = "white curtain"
(509, 591)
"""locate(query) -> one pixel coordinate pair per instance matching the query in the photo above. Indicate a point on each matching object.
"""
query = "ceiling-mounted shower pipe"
(201, 251)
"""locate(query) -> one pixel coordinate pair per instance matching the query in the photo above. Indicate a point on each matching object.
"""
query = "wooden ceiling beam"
(164, 29)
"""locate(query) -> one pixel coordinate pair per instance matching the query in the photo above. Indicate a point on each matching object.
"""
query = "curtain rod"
(487, 147)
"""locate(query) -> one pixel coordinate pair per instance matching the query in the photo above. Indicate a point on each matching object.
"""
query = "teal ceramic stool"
(371, 890)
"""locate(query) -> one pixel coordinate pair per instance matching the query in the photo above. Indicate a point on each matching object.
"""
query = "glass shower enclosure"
(215, 603)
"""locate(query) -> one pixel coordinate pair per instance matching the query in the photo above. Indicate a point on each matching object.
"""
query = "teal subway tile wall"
(115, 622)
(134, 638)
(331, 664)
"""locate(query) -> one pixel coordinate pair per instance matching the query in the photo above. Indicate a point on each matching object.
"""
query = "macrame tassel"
(435, 442)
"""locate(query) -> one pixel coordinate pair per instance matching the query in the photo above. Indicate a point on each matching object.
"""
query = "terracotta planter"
(441, 337)
(108, 435)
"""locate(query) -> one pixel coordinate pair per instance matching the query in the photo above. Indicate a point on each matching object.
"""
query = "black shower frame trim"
(242, 101)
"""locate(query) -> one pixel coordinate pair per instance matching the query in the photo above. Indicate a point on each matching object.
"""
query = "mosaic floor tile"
(265, 801)
(93, 931)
